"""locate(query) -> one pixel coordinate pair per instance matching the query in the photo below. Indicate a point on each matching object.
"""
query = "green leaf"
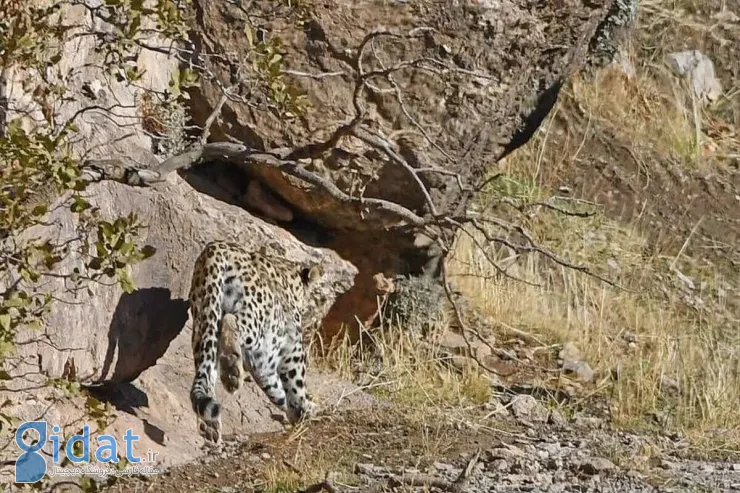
(175, 85)
(100, 249)
(126, 248)
(107, 229)
(74, 388)
(88, 484)
(79, 205)
(134, 27)
(275, 59)
(125, 281)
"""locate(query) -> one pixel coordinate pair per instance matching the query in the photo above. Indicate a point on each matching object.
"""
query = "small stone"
(736, 467)
(454, 342)
(685, 279)
(699, 69)
(629, 336)
(556, 418)
(265, 456)
(526, 407)
(362, 468)
(727, 16)
(596, 465)
(580, 369)
(552, 449)
(440, 466)
(510, 453)
(670, 386)
(588, 422)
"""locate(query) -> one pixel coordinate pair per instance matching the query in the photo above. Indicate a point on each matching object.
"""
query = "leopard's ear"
(309, 275)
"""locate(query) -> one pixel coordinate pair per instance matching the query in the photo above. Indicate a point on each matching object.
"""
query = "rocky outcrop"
(124, 334)
(456, 86)
(133, 349)
(469, 83)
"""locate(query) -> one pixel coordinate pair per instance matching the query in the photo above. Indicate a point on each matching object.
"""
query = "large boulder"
(474, 80)
(476, 86)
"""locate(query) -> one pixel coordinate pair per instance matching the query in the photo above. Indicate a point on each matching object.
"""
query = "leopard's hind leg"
(231, 368)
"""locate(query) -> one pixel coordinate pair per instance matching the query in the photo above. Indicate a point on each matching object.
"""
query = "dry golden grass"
(628, 107)
(672, 342)
(411, 374)
(290, 477)
(654, 110)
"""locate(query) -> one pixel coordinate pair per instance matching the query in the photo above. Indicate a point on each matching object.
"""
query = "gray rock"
(557, 419)
(580, 369)
(552, 449)
(526, 407)
(699, 69)
(507, 453)
(596, 465)
(441, 466)
(500, 465)
(670, 386)
(588, 422)
(144, 337)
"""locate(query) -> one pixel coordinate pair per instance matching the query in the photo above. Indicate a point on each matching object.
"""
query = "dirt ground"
(386, 451)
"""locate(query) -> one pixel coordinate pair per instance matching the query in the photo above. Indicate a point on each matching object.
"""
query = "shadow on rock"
(124, 396)
(144, 324)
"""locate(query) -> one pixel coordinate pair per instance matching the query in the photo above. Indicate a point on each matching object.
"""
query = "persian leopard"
(247, 312)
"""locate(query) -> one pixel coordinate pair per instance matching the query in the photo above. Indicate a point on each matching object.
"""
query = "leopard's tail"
(205, 337)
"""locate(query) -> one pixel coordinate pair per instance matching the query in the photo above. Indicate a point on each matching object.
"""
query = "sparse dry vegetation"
(661, 339)
(666, 346)
(415, 375)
